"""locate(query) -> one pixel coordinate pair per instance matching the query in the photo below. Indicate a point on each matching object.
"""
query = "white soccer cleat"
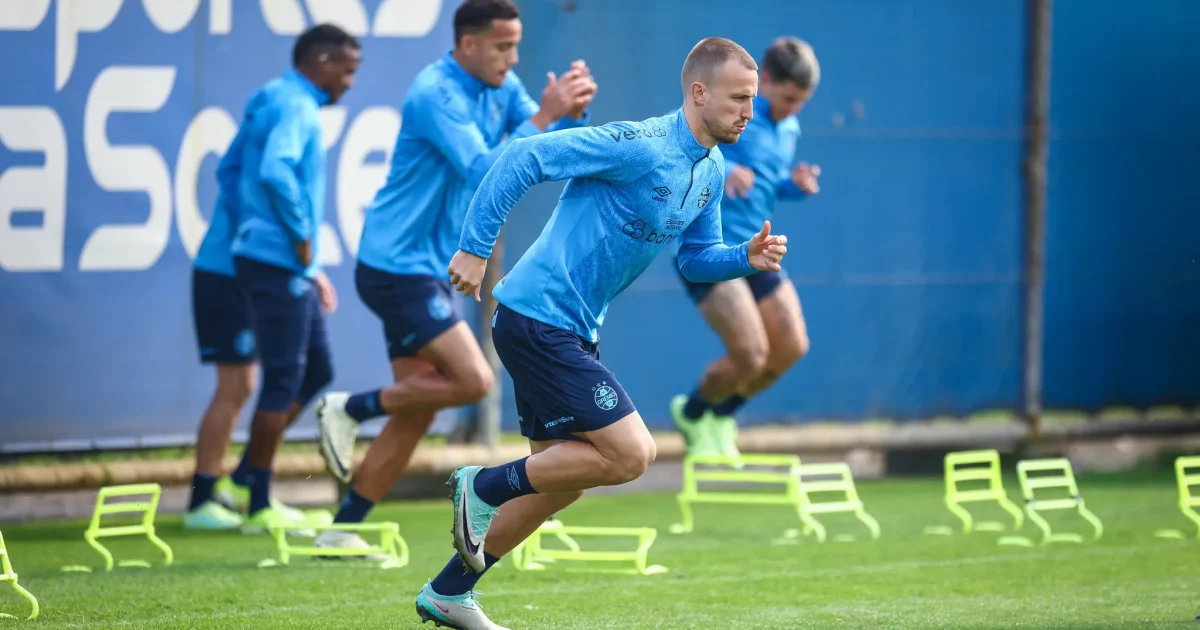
(338, 434)
(335, 539)
(457, 611)
(472, 517)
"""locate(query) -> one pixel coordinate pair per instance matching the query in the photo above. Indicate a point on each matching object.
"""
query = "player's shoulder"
(434, 87)
(283, 95)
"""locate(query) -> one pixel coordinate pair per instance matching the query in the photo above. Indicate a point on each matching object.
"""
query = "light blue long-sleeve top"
(454, 128)
(216, 249)
(634, 188)
(281, 187)
(768, 148)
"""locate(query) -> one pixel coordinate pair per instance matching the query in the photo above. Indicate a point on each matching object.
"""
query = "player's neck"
(697, 127)
(462, 61)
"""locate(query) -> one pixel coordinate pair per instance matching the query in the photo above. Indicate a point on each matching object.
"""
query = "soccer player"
(456, 115)
(634, 188)
(758, 318)
(276, 249)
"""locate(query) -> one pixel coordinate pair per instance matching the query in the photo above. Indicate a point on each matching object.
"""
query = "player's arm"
(282, 155)
(523, 114)
(598, 152)
(704, 257)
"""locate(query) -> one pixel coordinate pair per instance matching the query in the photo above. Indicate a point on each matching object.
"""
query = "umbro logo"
(660, 193)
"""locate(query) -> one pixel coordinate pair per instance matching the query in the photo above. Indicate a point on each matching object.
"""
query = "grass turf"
(727, 574)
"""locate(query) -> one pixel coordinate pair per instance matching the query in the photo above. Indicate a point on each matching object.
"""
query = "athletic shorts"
(224, 319)
(292, 337)
(414, 309)
(560, 385)
(762, 284)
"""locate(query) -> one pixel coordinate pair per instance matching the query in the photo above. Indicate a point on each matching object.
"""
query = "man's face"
(786, 97)
(336, 71)
(492, 53)
(729, 101)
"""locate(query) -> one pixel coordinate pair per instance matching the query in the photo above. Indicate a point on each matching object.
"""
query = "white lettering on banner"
(375, 129)
(210, 133)
(33, 188)
(22, 15)
(132, 168)
(220, 17)
(170, 16)
(74, 17)
(283, 17)
(406, 18)
(348, 15)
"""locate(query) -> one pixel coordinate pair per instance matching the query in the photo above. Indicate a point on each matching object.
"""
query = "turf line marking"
(649, 583)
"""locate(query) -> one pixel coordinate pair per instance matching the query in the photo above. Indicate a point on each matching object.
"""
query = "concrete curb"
(808, 438)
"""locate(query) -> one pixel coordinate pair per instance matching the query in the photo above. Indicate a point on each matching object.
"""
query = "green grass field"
(728, 574)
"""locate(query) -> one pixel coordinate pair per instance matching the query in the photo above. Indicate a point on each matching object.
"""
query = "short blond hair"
(709, 55)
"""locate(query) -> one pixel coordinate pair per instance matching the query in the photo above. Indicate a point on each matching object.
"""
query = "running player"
(758, 318)
(276, 250)
(633, 189)
(457, 115)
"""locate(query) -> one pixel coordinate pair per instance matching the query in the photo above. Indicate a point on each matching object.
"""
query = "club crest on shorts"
(705, 195)
(439, 307)
(605, 396)
(244, 343)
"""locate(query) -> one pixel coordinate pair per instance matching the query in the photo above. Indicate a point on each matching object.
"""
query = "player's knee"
(281, 384)
(236, 388)
(634, 460)
(317, 376)
(789, 351)
(749, 357)
(475, 383)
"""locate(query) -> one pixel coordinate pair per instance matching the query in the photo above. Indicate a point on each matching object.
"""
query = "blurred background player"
(276, 252)
(457, 113)
(758, 318)
(634, 188)
(224, 324)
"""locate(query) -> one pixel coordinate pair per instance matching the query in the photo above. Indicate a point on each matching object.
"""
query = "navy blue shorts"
(292, 337)
(224, 319)
(560, 385)
(762, 284)
(414, 309)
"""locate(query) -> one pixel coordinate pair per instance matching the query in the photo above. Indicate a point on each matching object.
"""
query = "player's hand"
(466, 273)
(584, 90)
(805, 178)
(305, 252)
(326, 293)
(739, 182)
(766, 250)
(558, 97)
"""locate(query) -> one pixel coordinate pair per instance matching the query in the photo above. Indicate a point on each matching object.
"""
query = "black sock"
(354, 508)
(202, 489)
(365, 406)
(260, 490)
(499, 484)
(457, 578)
(729, 406)
(241, 474)
(696, 406)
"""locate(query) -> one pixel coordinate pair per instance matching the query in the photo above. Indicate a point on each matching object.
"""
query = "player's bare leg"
(787, 335)
(731, 312)
(453, 366)
(613, 455)
(236, 382)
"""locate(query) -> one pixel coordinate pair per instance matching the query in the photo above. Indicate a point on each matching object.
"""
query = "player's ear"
(698, 93)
